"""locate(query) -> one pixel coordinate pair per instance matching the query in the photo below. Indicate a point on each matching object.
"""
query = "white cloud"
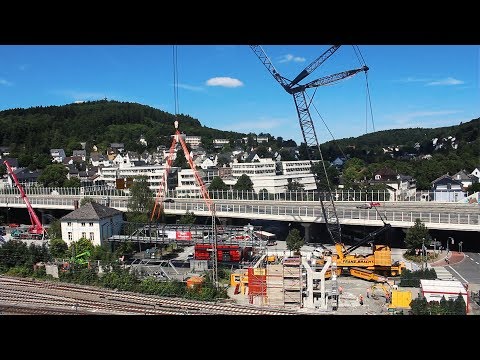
(224, 81)
(432, 82)
(446, 81)
(5, 82)
(290, 57)
(190, 87)
(414, 79)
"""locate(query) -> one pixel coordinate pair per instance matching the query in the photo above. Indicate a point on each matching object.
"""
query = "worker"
(387, 297)
(368, 292)
(340, 290)
(361, 299)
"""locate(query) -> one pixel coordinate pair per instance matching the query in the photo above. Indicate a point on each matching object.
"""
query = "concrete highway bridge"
(457, 216)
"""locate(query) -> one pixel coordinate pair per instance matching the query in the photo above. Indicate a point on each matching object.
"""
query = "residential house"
(445, 188)
(80, 153)
(4, 151)
(476, 172)
(404, 188)
(117, 147)
(466, 179)
(57, 155)
(97, 159)
(25, 177)
(339, 162)
(92, 221)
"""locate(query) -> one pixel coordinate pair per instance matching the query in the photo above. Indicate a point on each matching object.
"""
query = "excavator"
(378, 264)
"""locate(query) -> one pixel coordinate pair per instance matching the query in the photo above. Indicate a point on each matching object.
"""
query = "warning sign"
(184, 235)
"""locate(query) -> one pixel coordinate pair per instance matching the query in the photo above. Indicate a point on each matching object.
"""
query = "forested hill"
(412, 140)
(39, 129)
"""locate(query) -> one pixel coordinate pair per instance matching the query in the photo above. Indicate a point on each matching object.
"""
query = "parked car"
(368, 205)
(169, 200)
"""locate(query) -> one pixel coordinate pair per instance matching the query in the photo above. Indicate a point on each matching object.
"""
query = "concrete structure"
(92, 221)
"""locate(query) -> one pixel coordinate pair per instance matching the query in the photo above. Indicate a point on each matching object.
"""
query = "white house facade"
(92, 221)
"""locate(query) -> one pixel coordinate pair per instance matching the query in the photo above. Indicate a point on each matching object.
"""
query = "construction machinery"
(370, 267)
(376, 266)
(36, 231)
(211, 248)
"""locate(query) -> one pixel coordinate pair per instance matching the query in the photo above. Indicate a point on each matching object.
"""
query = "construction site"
(313, 279)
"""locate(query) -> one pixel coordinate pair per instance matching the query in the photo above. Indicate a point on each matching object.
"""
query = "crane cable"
(368, 100)
(175, 79)
(324, 123)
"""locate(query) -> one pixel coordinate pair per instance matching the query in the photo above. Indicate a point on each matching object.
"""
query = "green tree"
(263, 194)
(58, 248)
(460, 307)
(416, 235)
(187, 218)
(217, 184)
(141, 196)
(294, 241)
(53, 175)
(86, 200)
(294, 185)
(243, 183)
(473, 188)
(73, 182)
(180, 160)
(55, 229)
(80, 246)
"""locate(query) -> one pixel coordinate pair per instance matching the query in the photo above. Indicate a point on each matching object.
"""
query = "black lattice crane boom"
(306, 124)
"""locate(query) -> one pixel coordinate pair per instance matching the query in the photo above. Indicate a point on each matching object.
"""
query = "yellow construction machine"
(376, 266)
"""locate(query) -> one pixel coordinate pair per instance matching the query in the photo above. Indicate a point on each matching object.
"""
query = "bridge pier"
(306, 226)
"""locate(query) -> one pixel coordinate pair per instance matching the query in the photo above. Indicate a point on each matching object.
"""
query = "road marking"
(476, 262)
(458, 274)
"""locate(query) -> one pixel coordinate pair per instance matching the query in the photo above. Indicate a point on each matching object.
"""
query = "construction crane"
(298, 92)
(36, 227)
(157, 208)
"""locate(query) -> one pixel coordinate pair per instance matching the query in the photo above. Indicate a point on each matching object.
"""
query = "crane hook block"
(175, 123)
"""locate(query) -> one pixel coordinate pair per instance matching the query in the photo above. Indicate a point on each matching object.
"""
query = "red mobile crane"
(203, 189)
(36, 227)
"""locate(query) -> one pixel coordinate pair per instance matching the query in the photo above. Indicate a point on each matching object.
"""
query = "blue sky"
(227, 87)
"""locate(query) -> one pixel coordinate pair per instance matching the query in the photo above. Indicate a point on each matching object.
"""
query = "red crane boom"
(36, 225)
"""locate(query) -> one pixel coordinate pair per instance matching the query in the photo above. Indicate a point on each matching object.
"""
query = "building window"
(92, 236)
(69, 223)
(91, 224)
(70, 237)
(83, 224)
(84, 235)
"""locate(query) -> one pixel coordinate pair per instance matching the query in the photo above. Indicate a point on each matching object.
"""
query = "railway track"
(20, 295)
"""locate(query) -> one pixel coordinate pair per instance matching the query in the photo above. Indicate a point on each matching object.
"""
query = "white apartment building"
(193, 140)
(218, 143)
(274, 175)
(154, 174)
(187, 185)
(262, 139)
